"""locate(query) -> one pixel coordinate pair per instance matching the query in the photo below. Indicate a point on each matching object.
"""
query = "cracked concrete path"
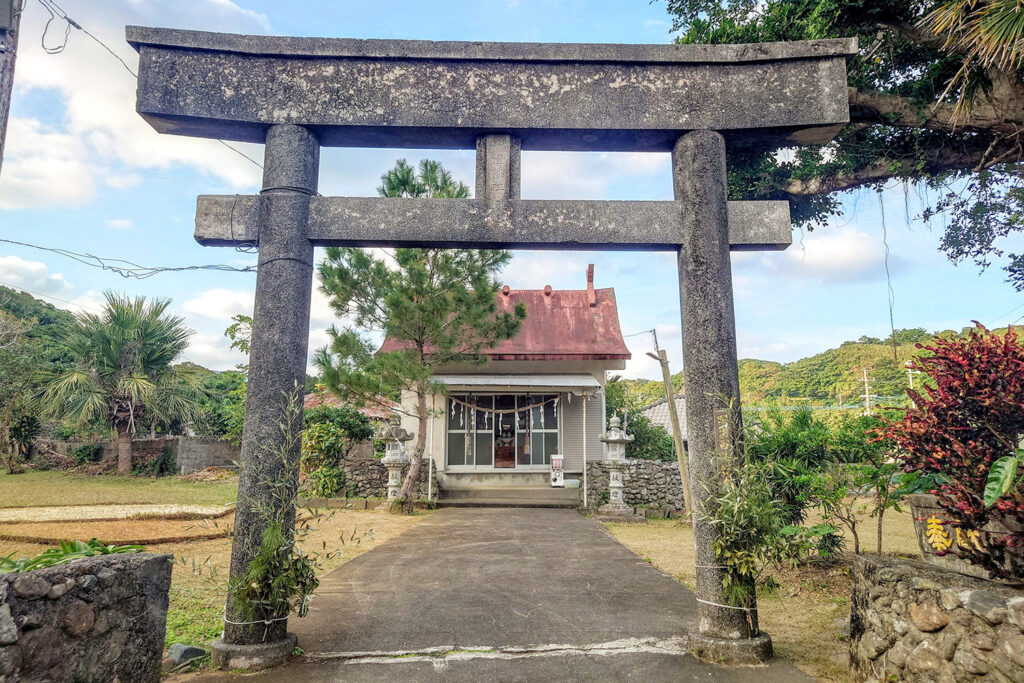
(505, 595)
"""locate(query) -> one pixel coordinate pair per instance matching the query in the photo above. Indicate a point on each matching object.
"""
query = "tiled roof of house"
(658, 414)
(382, 410)
(561, 324)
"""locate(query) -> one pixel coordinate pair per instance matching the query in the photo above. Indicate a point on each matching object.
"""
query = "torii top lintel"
(422, 94)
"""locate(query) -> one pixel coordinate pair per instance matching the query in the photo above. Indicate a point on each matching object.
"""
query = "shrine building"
(539, 397)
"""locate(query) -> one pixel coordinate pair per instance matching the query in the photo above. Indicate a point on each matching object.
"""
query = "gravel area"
(96, 513)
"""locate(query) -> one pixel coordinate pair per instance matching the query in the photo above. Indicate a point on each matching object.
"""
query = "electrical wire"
(56, 12)
(49, 296)
(128, 269)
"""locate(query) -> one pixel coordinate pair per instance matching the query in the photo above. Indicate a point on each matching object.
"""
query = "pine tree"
(439, 303)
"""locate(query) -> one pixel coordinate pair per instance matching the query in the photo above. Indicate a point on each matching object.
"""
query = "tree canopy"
(908, 87)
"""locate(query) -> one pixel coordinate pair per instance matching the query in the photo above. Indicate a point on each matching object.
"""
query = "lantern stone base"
(618, 512)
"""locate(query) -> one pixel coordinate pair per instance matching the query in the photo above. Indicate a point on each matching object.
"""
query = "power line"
(49, 296)
(128, 269)
(56, 12)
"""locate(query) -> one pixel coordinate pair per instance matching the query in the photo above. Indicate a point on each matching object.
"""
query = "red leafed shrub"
(973, 416)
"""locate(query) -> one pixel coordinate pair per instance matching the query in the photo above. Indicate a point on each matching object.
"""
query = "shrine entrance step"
(510, 496)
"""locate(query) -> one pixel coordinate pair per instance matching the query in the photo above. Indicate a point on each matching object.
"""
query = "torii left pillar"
(280, 339)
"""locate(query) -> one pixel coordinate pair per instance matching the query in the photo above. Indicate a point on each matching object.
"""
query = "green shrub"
(162, 465)
(66, 552)
(90, 452)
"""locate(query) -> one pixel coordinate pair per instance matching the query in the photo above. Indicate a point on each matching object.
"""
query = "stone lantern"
(615, 463)
(396, 456)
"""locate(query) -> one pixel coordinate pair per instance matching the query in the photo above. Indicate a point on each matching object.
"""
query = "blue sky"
(85, 173)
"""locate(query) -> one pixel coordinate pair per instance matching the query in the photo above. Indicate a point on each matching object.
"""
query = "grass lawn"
(804, 617)
(34, 488)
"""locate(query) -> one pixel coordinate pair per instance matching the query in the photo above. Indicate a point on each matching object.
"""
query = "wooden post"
(677, 433)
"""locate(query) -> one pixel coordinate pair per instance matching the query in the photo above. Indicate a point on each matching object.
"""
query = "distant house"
(502, 423)
(381, 411)
(659, 415)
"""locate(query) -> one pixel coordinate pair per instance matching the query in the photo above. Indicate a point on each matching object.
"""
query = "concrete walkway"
(505, 595)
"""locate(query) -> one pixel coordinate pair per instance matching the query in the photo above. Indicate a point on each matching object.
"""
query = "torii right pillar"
(711, 375)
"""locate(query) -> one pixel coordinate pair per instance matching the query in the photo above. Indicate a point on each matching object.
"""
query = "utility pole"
(10, 18)
(677, 434)
(867, 393)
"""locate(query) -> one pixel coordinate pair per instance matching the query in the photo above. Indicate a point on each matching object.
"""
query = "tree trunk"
(124, 450)
(411, 485)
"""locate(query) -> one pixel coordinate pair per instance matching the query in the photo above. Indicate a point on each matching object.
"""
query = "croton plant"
(963, 430)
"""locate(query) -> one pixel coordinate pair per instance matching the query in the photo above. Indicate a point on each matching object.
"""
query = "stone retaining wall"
(192, 453)
(652, 483)
(367, 477)
(95, 619)
(911, 621)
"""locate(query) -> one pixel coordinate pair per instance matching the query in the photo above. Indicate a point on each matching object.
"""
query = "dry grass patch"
(39, 489)
(120, 532)
(199, 581)
(805, 617)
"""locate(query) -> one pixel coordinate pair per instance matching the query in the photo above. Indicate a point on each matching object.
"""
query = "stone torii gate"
(296, 94)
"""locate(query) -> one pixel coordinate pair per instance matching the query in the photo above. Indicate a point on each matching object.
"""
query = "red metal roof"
(567, 324)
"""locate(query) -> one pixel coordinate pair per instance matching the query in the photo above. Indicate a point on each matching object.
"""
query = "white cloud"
(220, 304)
(119, 223)
(212, 351)
(834, 255)
(593, 175)
(534, 269)
(44, 168)
(33, 276)
(100, 123)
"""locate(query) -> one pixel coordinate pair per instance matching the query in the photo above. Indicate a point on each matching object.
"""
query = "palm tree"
(122, 368)
(988, 34)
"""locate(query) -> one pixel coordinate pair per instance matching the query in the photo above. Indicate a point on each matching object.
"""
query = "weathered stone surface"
(229, 220)
(553, 96)
(645, 482)
(280, 340)
(709, 354)
(928, 616)
(971, 662)
(989, 606)
(1015, 611)
(30, 586)
(78, 618)
(1012, 645)
(58, 590)
(59, 638)
(8, 629)
(924, 658)
(944, 639)
(180, 653)
(950, 599)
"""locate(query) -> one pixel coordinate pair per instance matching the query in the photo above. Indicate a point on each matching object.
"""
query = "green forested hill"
(822, 379)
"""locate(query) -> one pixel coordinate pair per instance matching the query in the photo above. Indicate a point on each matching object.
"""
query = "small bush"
(66, 552)
(163, 464)
(90, 452)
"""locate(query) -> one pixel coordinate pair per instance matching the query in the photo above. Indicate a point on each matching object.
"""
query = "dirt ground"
(805, 617)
